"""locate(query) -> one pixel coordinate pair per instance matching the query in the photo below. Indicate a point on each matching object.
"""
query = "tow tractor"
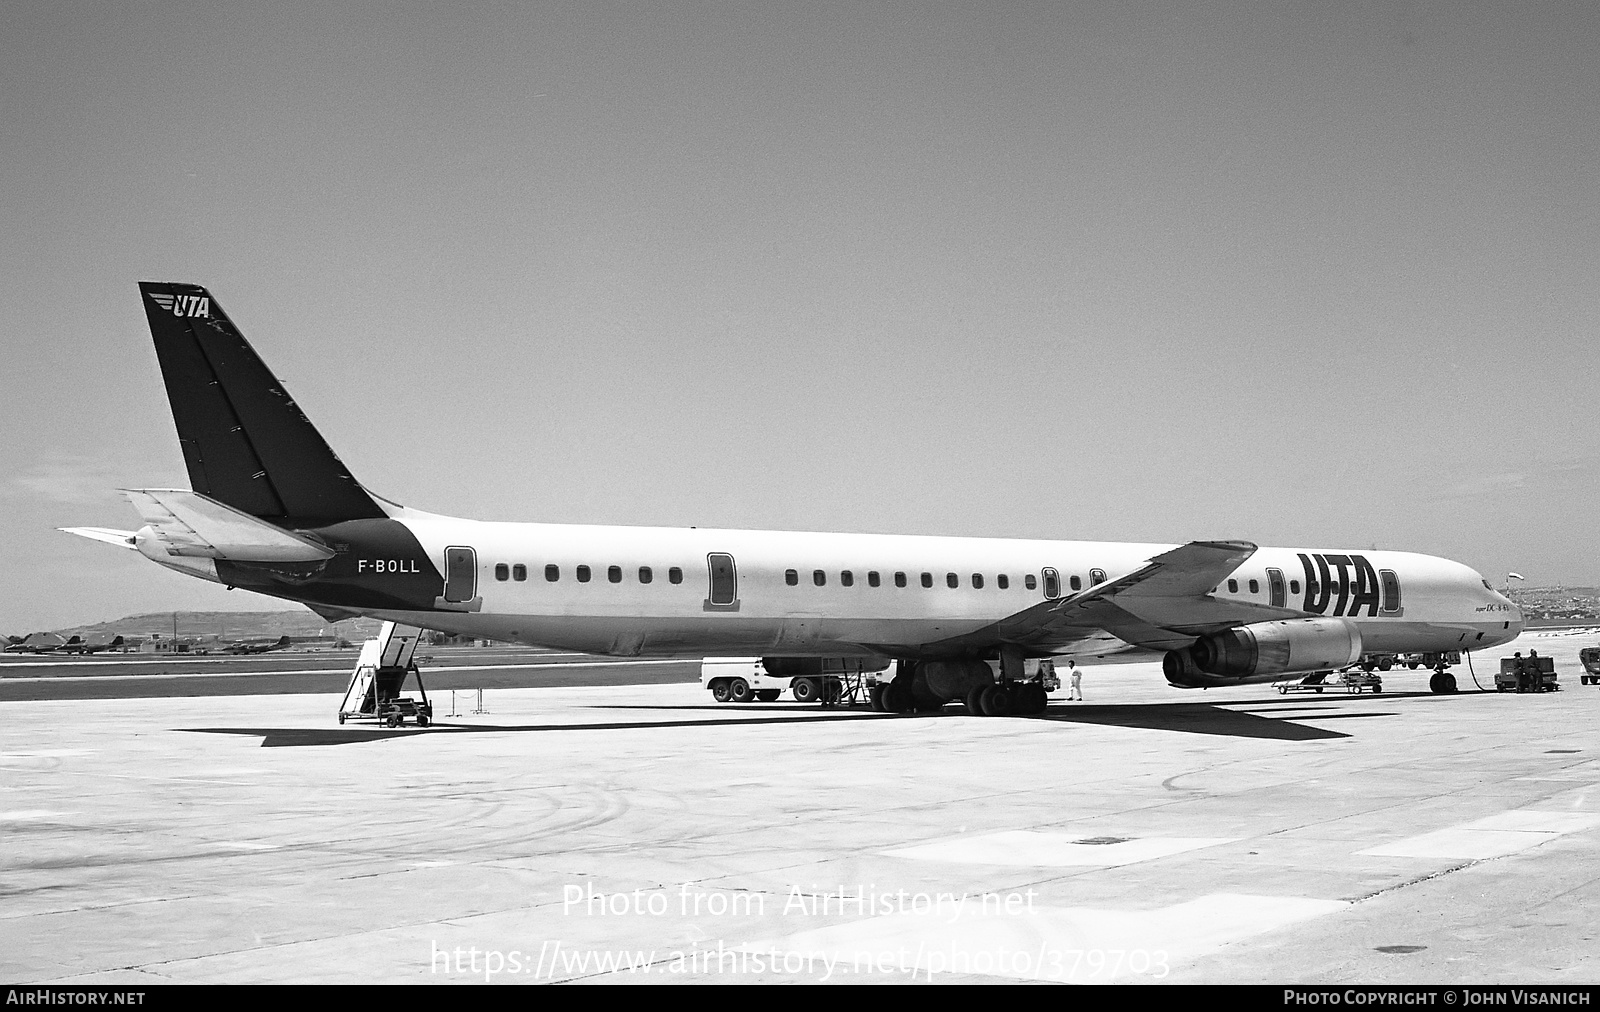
(380, 677)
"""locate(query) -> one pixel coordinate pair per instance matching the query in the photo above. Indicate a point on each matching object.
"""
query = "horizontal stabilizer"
(111, 536)
(188, 524)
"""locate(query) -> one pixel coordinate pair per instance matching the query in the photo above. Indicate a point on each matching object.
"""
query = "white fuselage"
(695, 592)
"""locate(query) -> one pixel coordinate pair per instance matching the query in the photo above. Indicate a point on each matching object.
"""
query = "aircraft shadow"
(1191, 718)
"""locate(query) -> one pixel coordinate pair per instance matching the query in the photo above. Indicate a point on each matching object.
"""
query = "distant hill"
(232, 625)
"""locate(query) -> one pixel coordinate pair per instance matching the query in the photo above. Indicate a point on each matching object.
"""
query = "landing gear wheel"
(719, 691)
(807, 690)
(739, 691)
(875, 698)
(897, 698)
(1449, 683)
(974, 700)
(998, 701)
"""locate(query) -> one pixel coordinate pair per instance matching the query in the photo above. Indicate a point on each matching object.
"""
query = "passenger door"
(723, 578)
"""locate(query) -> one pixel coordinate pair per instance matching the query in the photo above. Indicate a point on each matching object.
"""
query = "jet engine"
(1264, 650)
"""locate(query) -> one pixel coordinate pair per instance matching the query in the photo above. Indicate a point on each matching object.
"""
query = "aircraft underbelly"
(696, 636)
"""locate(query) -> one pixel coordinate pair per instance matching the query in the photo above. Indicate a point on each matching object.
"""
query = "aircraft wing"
(193, 525)
(1164, 605)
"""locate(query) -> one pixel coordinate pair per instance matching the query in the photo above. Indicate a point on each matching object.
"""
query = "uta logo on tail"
(183, 305)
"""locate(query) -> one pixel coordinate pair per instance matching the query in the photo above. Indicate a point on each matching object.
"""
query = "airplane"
(272, 509)
(93, 643)
(259, 645)
(40, 643)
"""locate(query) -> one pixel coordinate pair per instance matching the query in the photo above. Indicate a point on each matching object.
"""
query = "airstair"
(380, 676)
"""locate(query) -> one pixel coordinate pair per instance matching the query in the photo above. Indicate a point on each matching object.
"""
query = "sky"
(1304, 274)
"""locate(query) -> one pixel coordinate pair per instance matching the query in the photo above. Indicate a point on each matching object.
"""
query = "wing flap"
(190, 525)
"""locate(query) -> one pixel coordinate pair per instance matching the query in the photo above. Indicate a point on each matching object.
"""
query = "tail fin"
(245, 442)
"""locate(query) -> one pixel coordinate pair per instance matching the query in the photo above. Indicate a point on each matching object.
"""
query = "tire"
(1001, 702)
(1412, 665)
(768, 695)
(739, 691)
(896, 698)
(719, 690)
(1377, 688)
(1386, 664)
(806, 690)
(1450, 683)
(875, 698)
(422, 720)
(974, 700)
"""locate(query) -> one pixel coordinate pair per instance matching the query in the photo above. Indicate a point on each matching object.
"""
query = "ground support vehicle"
(763, 679)
(380, 677)
(1516, 674)
(1590, 656)
(1354, 679)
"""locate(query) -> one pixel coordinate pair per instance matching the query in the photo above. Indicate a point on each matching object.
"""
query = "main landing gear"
(926, 686)
(1442, 683)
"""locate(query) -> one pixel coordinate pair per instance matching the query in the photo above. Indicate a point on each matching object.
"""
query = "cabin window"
(1294, 587)
(899, 579)
(1030, 581)
(552, 573)
(872, 578)
(977, 581)
(819, 578)
(1075, 582)
(952, 580)
(583, 574)
(1233, 586)
(1255, 587)
(645, 575)
(614, 574)
(927, 579)
(791, 577)
(674, 575)
(1003, 581)
(502, 572)
(847, 578)
(519, 573)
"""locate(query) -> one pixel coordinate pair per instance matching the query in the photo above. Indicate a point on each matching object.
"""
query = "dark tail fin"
(245, 442)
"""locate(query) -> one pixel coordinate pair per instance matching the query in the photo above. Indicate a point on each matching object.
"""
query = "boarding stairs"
(379, 678)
